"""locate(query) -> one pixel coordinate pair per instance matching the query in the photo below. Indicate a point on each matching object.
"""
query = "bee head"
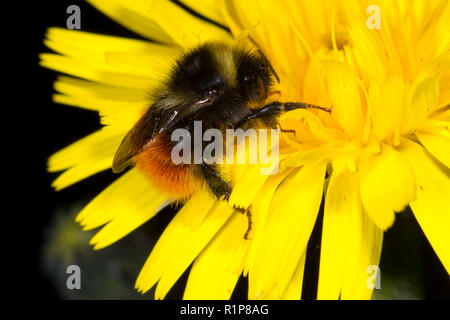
(215, 70)
(197, 75)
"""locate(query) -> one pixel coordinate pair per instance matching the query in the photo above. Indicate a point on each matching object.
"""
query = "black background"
(42, 127)
(51, 127)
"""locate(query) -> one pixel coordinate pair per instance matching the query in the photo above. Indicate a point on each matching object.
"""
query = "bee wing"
(154, 122)
(136, 140)
(185, 111)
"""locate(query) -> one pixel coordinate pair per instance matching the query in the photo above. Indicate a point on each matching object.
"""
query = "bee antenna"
(263, 56)
(273, 71)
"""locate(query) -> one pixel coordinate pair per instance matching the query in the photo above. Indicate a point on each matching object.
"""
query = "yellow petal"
(119, 116)
(344, 92)
(118, 107)
(217, 269)
(240, 15)
(386, 105)
(85, 157)
(387, 185)
(294, 287)
(432, 204)
(423, 99)
(278, 46)
(134, 15)
(95, 72)
(146, 63)
(207, 8)
(125, 205)
(363, 258)
(292, 215)
(305, 123)
(438, 144)
(107, 59)
(309, 156)
(92, 46)
(88, 89)
(350, 242)
(434, 35)
(342, 207)
(440, 67)
(251, 175)
(183, 239)
(368, 51)
(260, 211)
(247, 186)
(188, 30)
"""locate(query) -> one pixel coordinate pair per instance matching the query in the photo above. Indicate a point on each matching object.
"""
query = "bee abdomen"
(176, 180)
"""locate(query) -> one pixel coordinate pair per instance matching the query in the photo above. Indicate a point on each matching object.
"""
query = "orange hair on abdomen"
(155, 162)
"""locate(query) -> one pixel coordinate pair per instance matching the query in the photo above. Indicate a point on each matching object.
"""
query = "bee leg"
(287, 130)
(266, 114)
(218, 186)
(249, 219)
(272, 110)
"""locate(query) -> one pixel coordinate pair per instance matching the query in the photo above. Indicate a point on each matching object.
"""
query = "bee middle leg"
(249, 219)
(222, 190)
(216, 184)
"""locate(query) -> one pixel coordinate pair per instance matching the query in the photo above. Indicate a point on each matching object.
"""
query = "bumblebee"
(221, 85)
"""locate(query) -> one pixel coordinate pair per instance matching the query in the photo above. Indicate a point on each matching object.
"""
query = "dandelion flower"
(384, 147)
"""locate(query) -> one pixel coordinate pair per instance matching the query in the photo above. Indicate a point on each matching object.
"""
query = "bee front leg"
(267, 114)
(220, 188)
(271, 111)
